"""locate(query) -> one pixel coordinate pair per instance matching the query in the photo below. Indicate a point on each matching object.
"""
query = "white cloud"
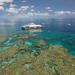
(5, 1)
(32, 6)
(73, 12)
(32, 10)
(59, 12)
(62, 12)
(12, 10)
(41, 14)
(48, 8)
(29, 15)
(37, 14)
(12, 5)
(23, 8)
(1, 8)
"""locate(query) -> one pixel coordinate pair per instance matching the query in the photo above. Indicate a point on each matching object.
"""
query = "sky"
(23, 9)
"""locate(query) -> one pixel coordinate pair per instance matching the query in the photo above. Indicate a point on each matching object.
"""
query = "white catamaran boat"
(31, 26)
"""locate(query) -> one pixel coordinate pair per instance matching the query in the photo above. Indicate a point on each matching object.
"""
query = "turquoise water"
(65, 39)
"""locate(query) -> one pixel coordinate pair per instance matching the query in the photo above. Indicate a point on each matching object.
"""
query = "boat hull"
(36, 27)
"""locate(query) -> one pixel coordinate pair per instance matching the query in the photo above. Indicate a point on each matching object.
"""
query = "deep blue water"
(50, 24)
(54, 32)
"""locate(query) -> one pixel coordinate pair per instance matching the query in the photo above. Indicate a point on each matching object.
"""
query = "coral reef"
(54, 61)
(32, 54)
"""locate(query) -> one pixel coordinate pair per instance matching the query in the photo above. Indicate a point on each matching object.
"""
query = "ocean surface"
(46, 51)
(55, 31)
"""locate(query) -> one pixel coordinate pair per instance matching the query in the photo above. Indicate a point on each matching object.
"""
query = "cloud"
(5, 1)
(32, 10)
(23, 8)
(29, 16)
(36, 14)
(1, 8)
(32, 6)
(12, 10)
(48, 8)
(12, 5)
(62, 12)
(41, 14)
(73, 12)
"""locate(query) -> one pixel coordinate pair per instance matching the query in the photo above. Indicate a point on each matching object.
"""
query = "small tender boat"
(31, 26)
(69, 24)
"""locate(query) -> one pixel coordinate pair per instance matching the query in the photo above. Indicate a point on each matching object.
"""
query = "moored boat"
(31, 26)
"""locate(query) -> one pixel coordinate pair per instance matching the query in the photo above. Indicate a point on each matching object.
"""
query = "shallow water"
(25, 47)
(66, 39)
